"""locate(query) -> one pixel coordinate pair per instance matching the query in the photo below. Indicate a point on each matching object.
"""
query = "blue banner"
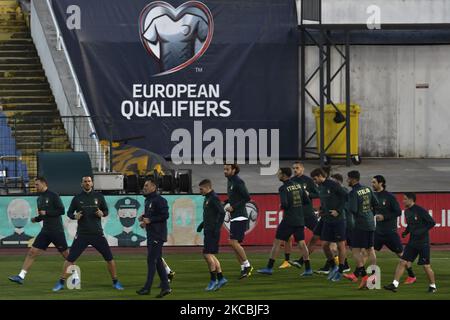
(159, 70)
(121, 227)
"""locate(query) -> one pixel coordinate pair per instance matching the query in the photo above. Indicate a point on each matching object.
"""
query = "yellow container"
(331, 129)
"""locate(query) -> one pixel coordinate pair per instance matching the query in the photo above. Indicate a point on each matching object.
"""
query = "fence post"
(42, 133)
(16, 174)
(73, 133)
(110, 148)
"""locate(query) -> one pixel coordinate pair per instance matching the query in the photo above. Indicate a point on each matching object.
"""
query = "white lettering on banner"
(448, 218)
(256, 142)
(191, 91)
(443, 216)
(208, 102)
(199, 101)
(270, 218)
(178, 108)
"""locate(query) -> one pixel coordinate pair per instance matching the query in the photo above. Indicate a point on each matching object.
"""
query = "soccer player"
(333, 198)
(361, 204)
(310, 189)
(350, 222)
(50, 209)
(292, 200)
(88, 207)
(213, 216)
(237, 198)
(154, 220)
(386, 229)
(419, 224)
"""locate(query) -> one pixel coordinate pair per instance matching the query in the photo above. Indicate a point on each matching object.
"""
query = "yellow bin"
(331, 128)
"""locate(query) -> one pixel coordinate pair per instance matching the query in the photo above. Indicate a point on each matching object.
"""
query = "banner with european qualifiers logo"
(188, 72)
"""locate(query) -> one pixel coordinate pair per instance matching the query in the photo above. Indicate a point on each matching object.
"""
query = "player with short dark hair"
(88, 207)
(362, 204)
(154, 220)
(292, 200)
(50, 209)
(333, 199)
(349, 221)
(238, 196)
(419, 224)
(386, 229)
(213, 216)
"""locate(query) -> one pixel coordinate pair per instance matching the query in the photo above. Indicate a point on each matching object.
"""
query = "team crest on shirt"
(46, 201)
(416, 217)
(206, 203)
(384, 203)
(96, 201)
(150, 205)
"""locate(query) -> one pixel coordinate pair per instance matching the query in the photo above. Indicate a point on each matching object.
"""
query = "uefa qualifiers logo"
(176, 37)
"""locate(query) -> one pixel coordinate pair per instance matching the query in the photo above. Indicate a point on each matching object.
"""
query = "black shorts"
(44, 238)
(211, 242)
(285, 231)
(362, 239)
(333, 231)
(390, 240)
(411, 252)
(318, 229)
(311, 222)
(237, 230)
(81, 242)
(349, 235)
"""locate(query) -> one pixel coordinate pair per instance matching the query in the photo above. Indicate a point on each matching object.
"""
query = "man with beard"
(236, 205)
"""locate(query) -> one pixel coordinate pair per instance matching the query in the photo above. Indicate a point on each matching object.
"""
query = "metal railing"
(23, 136)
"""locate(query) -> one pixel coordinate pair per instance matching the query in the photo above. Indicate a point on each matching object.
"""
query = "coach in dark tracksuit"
(154, 220)
(50, 209)
(88, 207)
(419, 224)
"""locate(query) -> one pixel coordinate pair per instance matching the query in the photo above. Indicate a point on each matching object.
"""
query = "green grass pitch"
(192, 277)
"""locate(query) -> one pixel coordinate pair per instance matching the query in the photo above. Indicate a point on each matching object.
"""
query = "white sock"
(168, 269)
(246, 263)
(242, 267)
(22, 274)
(433, 285)
(395, 283)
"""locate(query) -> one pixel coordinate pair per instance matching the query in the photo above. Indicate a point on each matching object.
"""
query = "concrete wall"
(397, 118)
(392, 11)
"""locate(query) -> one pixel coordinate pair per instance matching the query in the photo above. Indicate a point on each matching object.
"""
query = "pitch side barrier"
(16, 229)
